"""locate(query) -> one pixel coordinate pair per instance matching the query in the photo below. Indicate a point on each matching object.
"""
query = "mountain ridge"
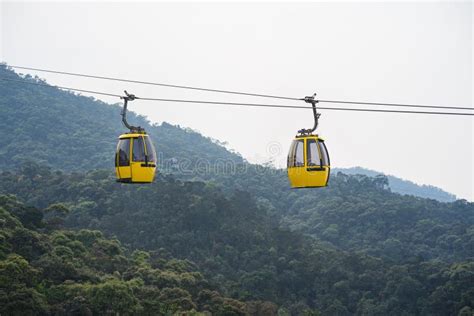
(404, 186)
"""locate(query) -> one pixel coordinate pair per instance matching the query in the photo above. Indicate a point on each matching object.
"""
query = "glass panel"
(291, 155)
(123, 152)
(138, 152)
(313, 153)
(150, 150)
(299, 154)
(324, 153)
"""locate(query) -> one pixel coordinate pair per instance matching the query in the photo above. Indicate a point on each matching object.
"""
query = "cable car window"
(123, 152)
(150, 150)
(312, 153)
(138, 152)
(324, 153)
(291, 155)
(299, 154)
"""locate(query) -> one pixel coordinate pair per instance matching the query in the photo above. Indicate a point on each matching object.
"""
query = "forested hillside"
(225, 236)
(45, 269)
(359, 213)
(404, 186)
(241, 248)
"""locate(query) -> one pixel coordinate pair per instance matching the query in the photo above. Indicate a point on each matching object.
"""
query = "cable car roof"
(132, 135)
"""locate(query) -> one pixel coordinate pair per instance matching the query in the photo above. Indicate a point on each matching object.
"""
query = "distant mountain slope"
(404, 186)
(72, 132)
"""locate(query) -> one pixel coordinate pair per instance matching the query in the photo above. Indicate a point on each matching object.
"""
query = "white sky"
(388, 52)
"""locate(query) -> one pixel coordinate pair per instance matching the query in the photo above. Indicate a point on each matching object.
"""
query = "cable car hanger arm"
(313, 101)
(126, 98)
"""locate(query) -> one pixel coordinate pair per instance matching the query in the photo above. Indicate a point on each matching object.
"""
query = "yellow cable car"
(135, 158)
(308, 162)
(308, 158)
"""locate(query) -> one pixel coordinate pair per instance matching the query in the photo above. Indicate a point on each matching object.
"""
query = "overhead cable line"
(302, 107)
(238, 103)
(241, 93)
(397, 105)
(156, 83)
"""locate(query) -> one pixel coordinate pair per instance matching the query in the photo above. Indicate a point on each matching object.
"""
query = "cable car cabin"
(308, 162)
(135, 158)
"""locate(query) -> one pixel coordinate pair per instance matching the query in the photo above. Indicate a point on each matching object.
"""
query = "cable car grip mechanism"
(126, 98)
(313, 101)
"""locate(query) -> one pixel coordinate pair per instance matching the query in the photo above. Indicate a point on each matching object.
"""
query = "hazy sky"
(387, 52)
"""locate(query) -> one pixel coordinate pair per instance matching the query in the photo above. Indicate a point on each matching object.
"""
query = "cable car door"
(141, 171)
(138, 159)
(296, 164)
(122, 159)
(316, 163)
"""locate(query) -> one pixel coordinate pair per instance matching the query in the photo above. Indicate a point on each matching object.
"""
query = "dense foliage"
(360, 213)
(236, 241)
(47, 270)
